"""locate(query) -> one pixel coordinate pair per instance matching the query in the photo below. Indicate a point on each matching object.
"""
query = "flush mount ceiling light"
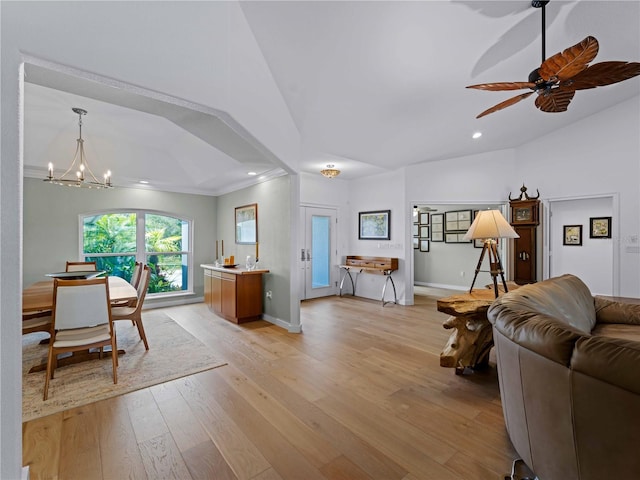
(330, 171)
(80, 166)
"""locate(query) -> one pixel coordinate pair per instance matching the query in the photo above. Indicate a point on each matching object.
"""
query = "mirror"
(247, 224)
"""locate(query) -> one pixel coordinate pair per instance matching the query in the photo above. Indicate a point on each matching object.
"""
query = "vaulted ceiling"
(370, 86)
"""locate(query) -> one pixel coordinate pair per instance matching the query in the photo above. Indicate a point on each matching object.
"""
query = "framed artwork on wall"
(424, 231)
(455, 237)
(416, 242)
(437, 227)
(424, 245)
(414, 230)
(600, 227)
(457, 220)
(572, 235)
(247, 224)
(374, 225)
(424, 218)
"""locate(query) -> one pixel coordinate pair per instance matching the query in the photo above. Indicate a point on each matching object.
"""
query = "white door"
(317, 256)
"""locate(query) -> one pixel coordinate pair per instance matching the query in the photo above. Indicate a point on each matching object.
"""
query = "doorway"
(593, 260)
(317, 252)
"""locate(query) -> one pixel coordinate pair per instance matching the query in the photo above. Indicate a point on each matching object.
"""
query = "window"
(116, 240)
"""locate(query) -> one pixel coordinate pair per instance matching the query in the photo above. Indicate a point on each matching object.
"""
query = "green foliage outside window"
(115, 233)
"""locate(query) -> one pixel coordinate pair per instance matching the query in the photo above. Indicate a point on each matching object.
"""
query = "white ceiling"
(371, 87)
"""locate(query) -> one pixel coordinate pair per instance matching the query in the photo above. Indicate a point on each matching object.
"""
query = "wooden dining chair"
(36, 322)
(135, 275)
(81, 320)
(134, 313)
(81, 267)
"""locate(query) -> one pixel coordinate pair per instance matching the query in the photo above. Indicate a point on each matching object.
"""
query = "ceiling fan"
(559, 76)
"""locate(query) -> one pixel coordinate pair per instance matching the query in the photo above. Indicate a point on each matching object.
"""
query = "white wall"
(380, 192)
(274, 239)
(51, 213)
(145, 44)
(316, 190)
(592, 261)
(598, 155)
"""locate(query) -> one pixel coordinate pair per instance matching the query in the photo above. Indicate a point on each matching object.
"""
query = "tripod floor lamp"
(489, 225)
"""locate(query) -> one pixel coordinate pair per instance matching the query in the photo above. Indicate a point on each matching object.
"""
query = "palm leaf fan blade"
(555, 100)
(505, 104)
(500, 86)
(570, 61)
(603, 73)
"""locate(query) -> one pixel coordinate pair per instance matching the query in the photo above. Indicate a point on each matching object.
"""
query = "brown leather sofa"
(569, 374)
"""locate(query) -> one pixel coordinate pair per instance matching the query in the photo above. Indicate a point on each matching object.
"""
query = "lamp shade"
(490, 224)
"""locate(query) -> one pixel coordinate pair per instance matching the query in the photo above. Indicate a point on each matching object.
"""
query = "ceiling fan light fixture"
(79, 166)
(330, 171)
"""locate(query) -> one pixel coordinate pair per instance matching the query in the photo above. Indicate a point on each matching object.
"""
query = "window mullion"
(141, 253)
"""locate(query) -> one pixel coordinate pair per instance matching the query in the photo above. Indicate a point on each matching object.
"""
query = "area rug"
(173, 353)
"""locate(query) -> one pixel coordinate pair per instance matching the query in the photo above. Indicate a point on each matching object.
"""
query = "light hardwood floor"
(358, 395)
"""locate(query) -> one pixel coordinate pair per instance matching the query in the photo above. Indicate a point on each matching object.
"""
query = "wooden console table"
(234, 294)
(376, 265)
(472, 338)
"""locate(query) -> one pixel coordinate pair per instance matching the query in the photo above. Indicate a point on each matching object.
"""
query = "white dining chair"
(81, 267)
(134, 313)
(81, 320)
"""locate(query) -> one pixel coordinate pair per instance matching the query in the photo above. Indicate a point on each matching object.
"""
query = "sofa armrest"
(609, 311)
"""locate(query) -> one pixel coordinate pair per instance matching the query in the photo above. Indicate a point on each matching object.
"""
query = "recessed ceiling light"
(144, 182)
(251, 173)
(476, 135)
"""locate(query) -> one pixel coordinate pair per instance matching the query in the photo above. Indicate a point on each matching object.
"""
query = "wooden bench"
(375, 265)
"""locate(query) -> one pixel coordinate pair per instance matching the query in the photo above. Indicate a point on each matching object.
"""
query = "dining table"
(38, 297)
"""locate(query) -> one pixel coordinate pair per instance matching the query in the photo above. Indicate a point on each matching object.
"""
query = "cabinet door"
(249, 297)
(216, 292)
(207, 288)
(228, 295)
(525, 255)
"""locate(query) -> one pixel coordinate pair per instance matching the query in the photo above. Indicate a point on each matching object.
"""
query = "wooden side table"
(472, 338)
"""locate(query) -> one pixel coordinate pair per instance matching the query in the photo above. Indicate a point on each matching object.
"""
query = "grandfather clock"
(525, 220)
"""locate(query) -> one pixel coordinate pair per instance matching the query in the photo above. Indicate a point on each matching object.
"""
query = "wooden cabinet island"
(234, 294)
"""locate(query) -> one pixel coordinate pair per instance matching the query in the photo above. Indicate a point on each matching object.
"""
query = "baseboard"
(171, 302)
(281, 323)
(442, 285)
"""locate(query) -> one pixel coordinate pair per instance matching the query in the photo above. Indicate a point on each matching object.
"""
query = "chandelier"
(83, 176)
(330, 172)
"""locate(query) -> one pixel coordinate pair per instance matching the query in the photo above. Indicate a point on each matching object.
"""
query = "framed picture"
(424, 231)
(424, 218)
(572, 235)
(600, 227)
(374, 225)
(414, 230)
(424, 245)
(457, 220)
(437, 227)
(247, 224)
(478, 243)
(416, 242)
(455, 237)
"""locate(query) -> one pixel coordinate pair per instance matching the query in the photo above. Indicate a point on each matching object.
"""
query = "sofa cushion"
(539, 333)
(611, 360)
(617, 330)
(565, 298)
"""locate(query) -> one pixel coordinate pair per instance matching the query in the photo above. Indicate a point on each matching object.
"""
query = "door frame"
(334, 273)
(505, 249)
(615, 233)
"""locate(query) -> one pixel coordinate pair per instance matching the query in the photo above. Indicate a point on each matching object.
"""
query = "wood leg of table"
(469, 343)
(75, 357)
